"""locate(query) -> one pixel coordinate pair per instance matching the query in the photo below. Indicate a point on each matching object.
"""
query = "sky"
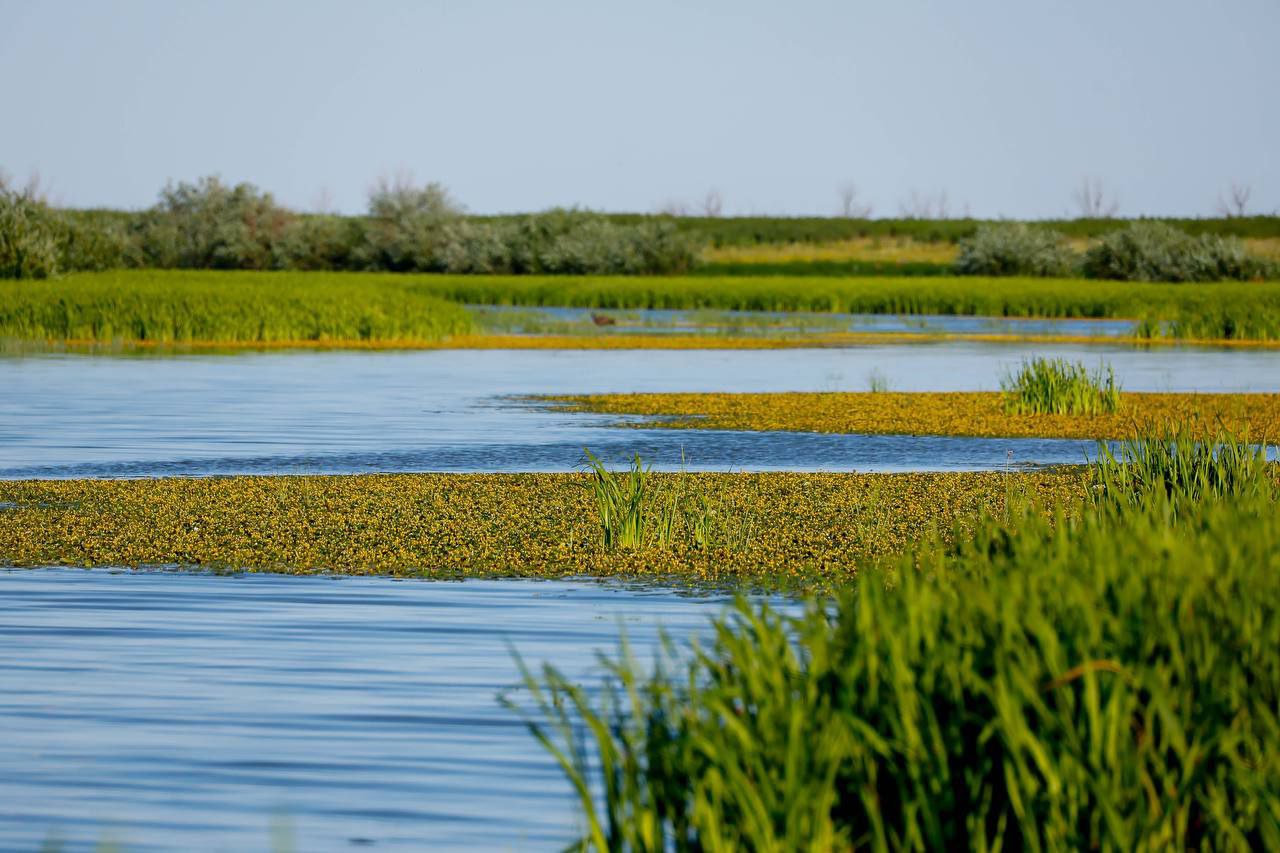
(1004, 107)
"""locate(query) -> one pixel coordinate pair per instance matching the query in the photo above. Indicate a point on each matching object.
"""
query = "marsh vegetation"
(1046, 680)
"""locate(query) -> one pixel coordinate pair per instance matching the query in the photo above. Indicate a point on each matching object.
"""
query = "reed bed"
(771, 529)
(1054, 386)
(1103, 681)
(885, 412)
(160, 308)
(246, 306)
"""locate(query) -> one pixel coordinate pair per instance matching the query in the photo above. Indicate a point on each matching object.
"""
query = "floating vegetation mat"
(934, 413)
(807, 529)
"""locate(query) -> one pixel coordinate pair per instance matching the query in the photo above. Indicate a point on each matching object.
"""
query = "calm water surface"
(172, 711)
(68, 415)
(553, 320)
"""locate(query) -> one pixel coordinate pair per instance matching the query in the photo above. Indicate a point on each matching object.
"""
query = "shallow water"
(173, 711)
(551, 320)
(72, 415)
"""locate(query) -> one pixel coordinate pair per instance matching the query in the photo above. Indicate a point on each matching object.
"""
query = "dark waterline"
(175, 711)
(345, 412)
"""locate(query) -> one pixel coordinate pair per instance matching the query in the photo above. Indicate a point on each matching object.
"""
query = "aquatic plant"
(774, 529)
(637, 510)
(978, 413)
(1055, 386)
(1176, 466)
(624, 503)
(1104, 683)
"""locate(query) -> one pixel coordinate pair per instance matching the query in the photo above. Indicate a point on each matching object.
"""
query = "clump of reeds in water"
(1059, 387)
(1177, 465)
(638, 510)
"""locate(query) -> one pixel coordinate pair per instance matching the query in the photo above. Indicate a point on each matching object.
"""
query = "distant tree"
(712, 204)
(673, 207)
(1237, 203)
(1093, 201)
(850, 208)
(925, 205)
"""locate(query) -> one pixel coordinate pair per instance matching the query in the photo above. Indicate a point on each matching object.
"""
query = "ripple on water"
(190, 711)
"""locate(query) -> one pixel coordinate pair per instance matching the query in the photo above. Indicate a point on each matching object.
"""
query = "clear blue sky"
(524, 105)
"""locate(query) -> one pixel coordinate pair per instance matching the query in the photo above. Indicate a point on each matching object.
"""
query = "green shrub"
(1108, 683)
(1154, 251)
(29, 232)
(406, 226)
(1014, 249)
(1055, 386)
(319, 242)
(92, 241)
(210, 225)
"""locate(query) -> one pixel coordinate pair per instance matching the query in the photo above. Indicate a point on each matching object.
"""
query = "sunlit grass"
(1055, 386)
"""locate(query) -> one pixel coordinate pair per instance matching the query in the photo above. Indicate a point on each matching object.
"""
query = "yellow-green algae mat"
(980, 414)
(797, 528)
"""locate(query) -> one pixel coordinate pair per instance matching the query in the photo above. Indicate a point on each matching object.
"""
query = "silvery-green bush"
(406, 226)
(1015, 249)
(1154, 251)
(211, 225)
(28, 235)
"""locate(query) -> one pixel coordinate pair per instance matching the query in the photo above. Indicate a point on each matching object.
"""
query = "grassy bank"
(934, 413)
(154, 307)
(808, 529)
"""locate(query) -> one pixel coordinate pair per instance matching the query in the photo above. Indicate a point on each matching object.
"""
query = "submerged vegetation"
(1055, 386)
(972, 413)
(1104, 680)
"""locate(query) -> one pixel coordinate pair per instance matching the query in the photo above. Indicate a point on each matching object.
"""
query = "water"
(190, 712)
(544, 320)
(69, 415)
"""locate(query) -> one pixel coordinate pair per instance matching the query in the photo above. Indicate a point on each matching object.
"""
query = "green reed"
(1171, 467)
(1109, 682)
(1056, 386)
(637, 510)
(158, 307)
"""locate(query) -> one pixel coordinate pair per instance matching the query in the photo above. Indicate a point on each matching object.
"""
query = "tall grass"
(1056, 386)
(996, 297)
(155, 307)
(636, 509)
(125, 299)
(1172, 469)
(1105, 683)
